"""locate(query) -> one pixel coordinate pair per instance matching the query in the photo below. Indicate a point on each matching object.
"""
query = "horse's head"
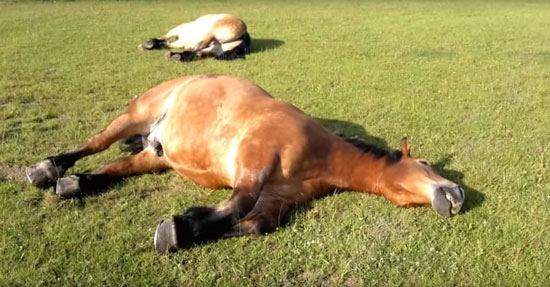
(412, 181)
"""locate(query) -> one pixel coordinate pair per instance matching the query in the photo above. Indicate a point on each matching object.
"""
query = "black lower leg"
(66, 160)
(153, 44)
(133, 144)
(186, 56)
(231, 55)
(195, 225)
(46, 172)
(238, 52)
(200, 224)
(246, 43)
(83, 184)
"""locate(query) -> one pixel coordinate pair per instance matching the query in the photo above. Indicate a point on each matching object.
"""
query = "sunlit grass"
(467, 82)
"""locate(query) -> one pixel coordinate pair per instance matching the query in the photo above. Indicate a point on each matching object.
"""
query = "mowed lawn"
(467, 82)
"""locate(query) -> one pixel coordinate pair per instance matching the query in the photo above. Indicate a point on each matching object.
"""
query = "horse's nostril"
(441, 202)
(448, 200)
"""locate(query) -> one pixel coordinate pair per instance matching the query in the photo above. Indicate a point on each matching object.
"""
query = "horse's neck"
(352, 169)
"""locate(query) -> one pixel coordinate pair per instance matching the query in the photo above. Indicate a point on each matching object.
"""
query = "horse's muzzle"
(448, 200)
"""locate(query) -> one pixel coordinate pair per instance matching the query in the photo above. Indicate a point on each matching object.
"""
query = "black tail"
(133, 144)
(246, 43)
(238, 52)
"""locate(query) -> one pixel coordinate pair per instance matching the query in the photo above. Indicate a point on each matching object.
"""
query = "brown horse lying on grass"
(221, 131)
(223, 36)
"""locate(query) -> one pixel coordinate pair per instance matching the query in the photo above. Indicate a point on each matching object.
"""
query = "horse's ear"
(405, 147)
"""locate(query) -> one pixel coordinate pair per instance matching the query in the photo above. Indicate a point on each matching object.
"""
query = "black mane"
(392, 156)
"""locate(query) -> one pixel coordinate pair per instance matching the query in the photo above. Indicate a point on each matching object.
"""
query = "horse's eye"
(424, 162)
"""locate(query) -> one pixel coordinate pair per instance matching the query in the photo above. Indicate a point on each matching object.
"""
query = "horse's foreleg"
(200, 224)
(266, 216)
(45, 173)
(270, 210)
(146, 161)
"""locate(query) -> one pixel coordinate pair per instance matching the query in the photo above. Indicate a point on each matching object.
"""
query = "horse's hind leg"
(188, 56)
(146, 161)
(45, 173)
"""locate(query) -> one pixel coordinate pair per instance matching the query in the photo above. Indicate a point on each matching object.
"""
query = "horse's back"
(224, 28)
(213, 120)
(204, 116)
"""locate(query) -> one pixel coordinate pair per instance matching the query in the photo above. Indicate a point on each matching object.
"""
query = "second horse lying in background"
(222, 36)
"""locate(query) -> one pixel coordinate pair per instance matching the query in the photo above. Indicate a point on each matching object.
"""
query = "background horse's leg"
(45, 173)
(232, 51)
(146, 161)
(154, 44)
(220, 51)
(188, 56)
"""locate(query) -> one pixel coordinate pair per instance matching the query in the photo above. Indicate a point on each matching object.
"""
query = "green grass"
(467, 82)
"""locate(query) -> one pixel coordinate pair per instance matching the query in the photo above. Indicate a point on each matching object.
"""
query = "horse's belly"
(206, 178)
(191, 34)
(196, 160)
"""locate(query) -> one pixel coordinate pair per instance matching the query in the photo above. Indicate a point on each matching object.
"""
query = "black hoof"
(165, 237)
(44, 174)
(186, 56)
(171, 56)
(148, 45)
(152, 44)
(67, 187)
(230, 55)
(196, 225)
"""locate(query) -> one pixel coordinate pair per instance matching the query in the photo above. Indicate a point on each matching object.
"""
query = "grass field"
(467, 82)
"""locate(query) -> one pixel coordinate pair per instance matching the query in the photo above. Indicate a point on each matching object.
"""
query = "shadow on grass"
(262, 44)
(348, 129)
(474, 198)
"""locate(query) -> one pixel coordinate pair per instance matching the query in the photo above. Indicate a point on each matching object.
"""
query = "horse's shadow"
(348, 129)
(474, 198)
(260, 45)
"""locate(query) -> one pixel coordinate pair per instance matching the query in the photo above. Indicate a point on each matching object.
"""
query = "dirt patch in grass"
(12, 172)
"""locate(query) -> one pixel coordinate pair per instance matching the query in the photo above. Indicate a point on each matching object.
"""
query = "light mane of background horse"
(221, 131)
